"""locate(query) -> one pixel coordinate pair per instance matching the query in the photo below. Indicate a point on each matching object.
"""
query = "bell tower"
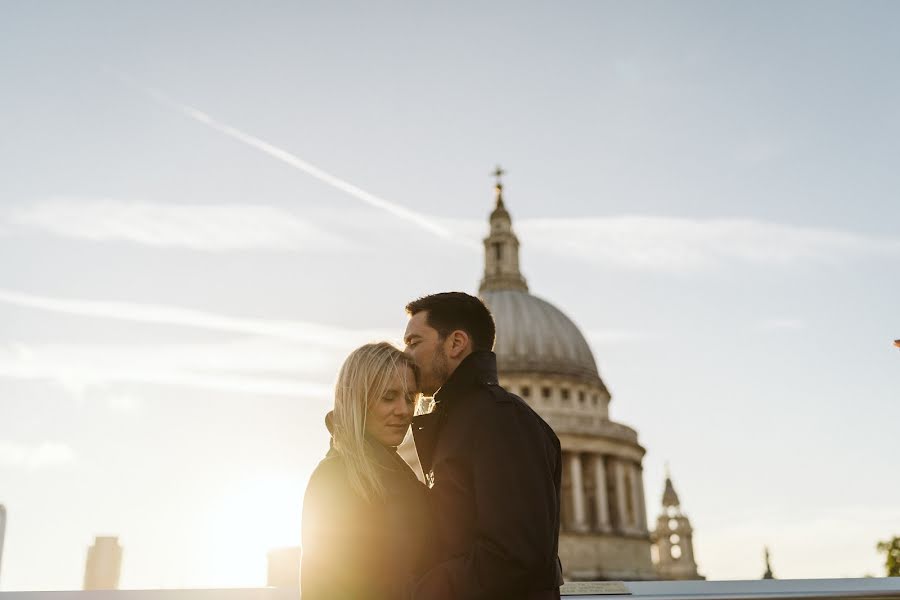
(674, 539)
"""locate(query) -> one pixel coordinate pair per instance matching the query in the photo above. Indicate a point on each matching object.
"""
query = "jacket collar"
(477, 368)
(387, 457)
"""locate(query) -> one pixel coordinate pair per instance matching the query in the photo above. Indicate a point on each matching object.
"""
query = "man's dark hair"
(449, 311)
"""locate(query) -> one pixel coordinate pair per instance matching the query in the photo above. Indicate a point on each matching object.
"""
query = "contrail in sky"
(418, 219)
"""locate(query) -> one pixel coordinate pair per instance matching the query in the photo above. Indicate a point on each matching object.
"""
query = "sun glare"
(252, 518)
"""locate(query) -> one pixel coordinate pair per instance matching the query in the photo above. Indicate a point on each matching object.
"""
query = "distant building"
(674, 539)
(104, 563)
(284, 568)
(2, 532)
(768, 574)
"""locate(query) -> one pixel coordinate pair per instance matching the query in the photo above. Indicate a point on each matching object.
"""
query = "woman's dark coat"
(354, 549)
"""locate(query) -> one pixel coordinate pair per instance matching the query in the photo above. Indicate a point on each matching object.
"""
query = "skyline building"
(103, 564)
(768, 574)
(2, 536)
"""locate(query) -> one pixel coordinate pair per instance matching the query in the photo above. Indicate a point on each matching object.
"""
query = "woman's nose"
(403, 410)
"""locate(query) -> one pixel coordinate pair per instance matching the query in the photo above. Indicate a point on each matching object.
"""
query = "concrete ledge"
(778, 589)
(770, 589)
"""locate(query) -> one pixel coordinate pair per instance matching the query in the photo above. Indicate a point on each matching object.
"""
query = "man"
(493, 464)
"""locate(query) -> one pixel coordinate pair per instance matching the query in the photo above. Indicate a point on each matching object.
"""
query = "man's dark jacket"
(495, 467)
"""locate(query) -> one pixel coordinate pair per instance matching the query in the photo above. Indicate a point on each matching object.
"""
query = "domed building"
(544, 358)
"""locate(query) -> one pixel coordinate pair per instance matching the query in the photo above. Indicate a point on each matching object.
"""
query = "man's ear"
(459, 344)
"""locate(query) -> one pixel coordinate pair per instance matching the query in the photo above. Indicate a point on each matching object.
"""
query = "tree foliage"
(891, 549)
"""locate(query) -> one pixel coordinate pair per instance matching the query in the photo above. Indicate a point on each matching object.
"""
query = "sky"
(205, 206)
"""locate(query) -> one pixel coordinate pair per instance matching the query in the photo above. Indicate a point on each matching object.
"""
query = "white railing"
(776, 589)
(768, 589)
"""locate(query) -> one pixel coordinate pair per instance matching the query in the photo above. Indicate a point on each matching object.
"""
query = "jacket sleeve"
(515, 466)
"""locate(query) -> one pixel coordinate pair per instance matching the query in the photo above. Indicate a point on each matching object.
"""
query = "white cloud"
(300, 331)
(686, 245)
(278, 357)
(647, 243)
(255, 366)
(207, 227)
(31, 457)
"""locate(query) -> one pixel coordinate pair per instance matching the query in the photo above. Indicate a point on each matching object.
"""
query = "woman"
(365, 515)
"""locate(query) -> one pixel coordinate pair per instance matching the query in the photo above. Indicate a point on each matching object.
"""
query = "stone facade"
(604, 522)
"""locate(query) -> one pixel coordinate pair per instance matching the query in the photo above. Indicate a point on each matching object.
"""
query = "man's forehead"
(417, 324)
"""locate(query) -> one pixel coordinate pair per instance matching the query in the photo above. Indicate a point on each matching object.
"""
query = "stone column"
(602, 502)
(642, 502)
(636, 497)
(575, 475)
(621, 513)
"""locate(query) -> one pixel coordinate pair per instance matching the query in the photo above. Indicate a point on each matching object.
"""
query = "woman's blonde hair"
(364, 378)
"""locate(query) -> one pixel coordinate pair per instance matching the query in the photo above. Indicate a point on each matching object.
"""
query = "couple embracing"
(486, 525)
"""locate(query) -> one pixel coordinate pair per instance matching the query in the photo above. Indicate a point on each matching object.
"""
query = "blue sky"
(708, 189)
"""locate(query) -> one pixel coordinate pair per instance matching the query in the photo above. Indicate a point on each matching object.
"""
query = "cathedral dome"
(534, 336)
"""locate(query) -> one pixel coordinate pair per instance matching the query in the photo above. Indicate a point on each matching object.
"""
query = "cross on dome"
(498, 173)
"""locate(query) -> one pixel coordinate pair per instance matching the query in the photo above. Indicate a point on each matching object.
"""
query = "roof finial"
(498, 173)
(670, 497)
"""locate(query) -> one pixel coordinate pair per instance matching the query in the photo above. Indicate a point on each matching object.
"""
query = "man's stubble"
(440, 368)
